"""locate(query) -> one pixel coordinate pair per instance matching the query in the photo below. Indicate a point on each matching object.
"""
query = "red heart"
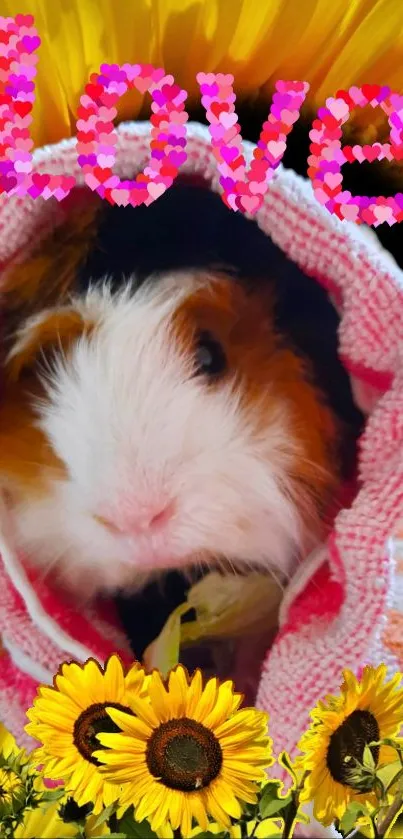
(371, 91)
(370, 153)
(316, 148)
(101, 175)
(349, 154)
(168, 171)
(170, 91)
(238, 162)
(86, 136)
(269, 135)
(40, 180)
(22, 108)
(94, 91)
(218, 108)
(343, 94)
(368, 216)
(258, 171)
(330, 121)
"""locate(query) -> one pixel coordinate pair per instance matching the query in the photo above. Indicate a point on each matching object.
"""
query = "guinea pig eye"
(209, 356)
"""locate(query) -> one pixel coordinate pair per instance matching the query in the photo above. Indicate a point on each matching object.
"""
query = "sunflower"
(67, 717)
(10, 787)
(188, 753)
(330, 45)
(47, 823)
(367, 711)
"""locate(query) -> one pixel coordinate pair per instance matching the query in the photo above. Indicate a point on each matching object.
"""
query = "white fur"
(134, 428)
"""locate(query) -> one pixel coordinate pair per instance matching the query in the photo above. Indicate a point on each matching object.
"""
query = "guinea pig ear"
(49, 330)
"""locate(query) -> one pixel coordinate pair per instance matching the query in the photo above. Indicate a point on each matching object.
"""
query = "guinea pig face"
(172, 429)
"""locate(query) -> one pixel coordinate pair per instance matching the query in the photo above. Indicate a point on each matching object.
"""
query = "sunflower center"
(184, 755)
(347, 746)
(91, 722)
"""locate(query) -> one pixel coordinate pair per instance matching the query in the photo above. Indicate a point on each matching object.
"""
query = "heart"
(142, 85)
(94, 91)
(276, 149)
(333, 179)
(250, 203)
(383, 214)
(155, 190)
(31, 42)
(40, 181)
(228, 120)
(177, 158)
(371, 91)
(229, 153)
(349, 212)
(358, 154)
(370, 153)
(22, 108)
(339, 109)
(218, 108)
(120, 197)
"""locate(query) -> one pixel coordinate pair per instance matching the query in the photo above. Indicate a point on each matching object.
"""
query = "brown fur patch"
(56, 330)
(27, 460)
(265, 371)
(46, 276)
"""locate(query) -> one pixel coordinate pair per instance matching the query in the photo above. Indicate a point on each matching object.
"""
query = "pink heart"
(382, 213)
(228, 120)
(358, 153)
(142, 85)
(155, 189)
(349, 212)
(321, 196)
(339, 108)
(333, 180)
(250, 203)
(121, 197)
(276, 148)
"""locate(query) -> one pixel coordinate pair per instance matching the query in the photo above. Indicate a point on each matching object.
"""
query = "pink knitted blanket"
(343, 607)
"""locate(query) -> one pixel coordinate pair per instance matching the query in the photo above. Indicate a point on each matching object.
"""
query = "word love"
(243, 188)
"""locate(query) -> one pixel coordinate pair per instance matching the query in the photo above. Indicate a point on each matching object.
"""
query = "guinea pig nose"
(141, 518)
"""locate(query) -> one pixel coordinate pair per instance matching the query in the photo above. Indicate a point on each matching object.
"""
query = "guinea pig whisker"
(51, 565)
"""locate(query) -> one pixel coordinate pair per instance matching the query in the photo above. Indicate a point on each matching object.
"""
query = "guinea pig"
(156, 423)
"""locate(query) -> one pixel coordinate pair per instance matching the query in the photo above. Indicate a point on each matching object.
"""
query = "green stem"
(389, 817)
(289, 820)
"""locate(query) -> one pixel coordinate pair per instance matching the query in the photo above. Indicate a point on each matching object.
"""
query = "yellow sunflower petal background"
(7, 742)
(67, 717)
(329, 45)
(188, 753)
(368, 710)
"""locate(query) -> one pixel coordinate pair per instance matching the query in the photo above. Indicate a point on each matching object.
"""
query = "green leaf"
(285, 762)
(212, 835)
(271, 808)
(110, 836)
(270, 791)
(53, 794)
(105, 815)
(140, 830)
(368, 759)
(389, 773)
(353, 812)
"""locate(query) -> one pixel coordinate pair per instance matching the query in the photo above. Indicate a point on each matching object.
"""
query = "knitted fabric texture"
(343, 607)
